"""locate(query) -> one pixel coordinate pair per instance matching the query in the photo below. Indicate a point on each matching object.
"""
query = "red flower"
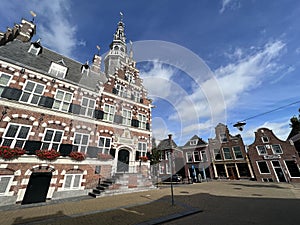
(78, 156)
(143, 158)
(47, 154)
(10, 153)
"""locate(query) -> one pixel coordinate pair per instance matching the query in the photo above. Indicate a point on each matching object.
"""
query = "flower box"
(8, 153)
(143, 158)
(47, 154)
(78, 156)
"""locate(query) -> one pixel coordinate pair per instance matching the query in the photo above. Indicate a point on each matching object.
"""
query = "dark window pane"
(48, 136)
(39, 89)
(101, 141)
(19, 144)
(23, 132)
(29, 86)
(77, 139)
(293, 168)
(25, 97)
(57, 137)
(107, 144)
(7, 142)
(12, 130)
(35, 99)
(85, 139)
(263, 167)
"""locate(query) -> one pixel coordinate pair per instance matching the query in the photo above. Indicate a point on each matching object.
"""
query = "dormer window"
(85, 68)
(35, 48)
(58, 70)
(265, 139)
(193, 142)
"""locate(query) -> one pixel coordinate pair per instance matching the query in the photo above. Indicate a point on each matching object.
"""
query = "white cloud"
(280, 129)
(231, 4)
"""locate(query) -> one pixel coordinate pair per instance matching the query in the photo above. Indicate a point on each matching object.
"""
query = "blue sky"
(203, 61)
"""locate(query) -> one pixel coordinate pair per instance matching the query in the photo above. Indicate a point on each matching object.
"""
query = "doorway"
(37, 187)
(123, 161)
(278, 171)
(232, 173)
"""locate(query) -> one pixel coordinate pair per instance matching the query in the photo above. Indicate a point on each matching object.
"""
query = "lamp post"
(171, 166)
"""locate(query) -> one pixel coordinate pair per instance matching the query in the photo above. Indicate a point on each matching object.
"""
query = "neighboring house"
(197, 159)
(228, 155)
(50, 101)
(171, 159)
(272, 159)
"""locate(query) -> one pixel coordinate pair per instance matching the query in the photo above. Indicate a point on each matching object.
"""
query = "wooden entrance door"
(123, 161)
(37, 187)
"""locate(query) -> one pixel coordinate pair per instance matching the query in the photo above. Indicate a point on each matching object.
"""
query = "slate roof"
(16, 52)
(199, 143)
(165, 145)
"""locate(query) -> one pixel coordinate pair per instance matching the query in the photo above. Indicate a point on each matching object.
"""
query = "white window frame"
(33, 50)
(189, 155)
(129, 78)
(81, 147)
(32, 93)
(51, 142)
(87, 110)
(6, 191)
(73, 176)
(219, 153)
(109, 114)
(193, 142)
(143, 121)
(276, 152)
(4, 85)
(62, 101)
(104, 148)
(126, 117)
(229, 153)
(235, 153)
(136, 96)
(15, 138)
(203, 156)
(57, 70)
(199, 156)
(142, 148)
(259, 167)
(259, 151)
(265, 139)
(287, 168)
(121, 90)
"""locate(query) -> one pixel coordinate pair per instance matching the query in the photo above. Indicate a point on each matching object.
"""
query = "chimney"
(27, 30)
(170, 142)
(96, 63)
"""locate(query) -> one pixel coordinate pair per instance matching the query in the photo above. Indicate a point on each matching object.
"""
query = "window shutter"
(118, 119)
(65, 149)
(92, 152)
(31, 146)
(98, 114)
(112, 152)
(75, 109)
(147, 126)
(137, 155)
(115, 91)
(11, 93)
(141, 100)
(46, 102)
(135, 123)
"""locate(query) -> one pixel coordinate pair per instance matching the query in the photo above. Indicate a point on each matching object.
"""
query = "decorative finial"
(98, 47)
(33, 15)
(121, 14)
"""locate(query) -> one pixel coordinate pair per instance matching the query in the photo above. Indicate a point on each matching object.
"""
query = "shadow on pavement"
(260, 185)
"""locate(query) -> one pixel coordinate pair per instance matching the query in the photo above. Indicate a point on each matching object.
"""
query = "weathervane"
(33, 15)
(121, 14)
(98, 47)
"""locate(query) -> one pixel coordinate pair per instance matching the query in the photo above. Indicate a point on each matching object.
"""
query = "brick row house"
(50, 101)
(228, 155)
(272, 159)
(197, 160)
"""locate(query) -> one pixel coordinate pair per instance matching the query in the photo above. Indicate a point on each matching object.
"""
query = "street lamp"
(171, 166)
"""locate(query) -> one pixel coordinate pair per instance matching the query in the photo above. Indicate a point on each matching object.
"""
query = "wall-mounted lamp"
(22, 71)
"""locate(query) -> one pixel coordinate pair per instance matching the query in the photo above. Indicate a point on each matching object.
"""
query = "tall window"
(4, 81)
(62, 100)
(15, 135)
(265, 139)
(109, 112)
(32, 92)
(196, 156)
(81, 142)
(292, 168)
(203, 156)
(227, 153)
(5, 181)
(142, 148)
(136, 96)
(237, 152)
(129, 78)
(261, 149)
(121, 90)
(189, 157)
(126, 117)
(263, 167)
(104, 144)
(277, 149)
(87, 106)
(143, 121)
(52, 139)
(58, 70)
(72, 181)
(217, 154)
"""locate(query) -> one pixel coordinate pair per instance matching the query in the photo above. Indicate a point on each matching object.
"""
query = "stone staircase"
(121, 183)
